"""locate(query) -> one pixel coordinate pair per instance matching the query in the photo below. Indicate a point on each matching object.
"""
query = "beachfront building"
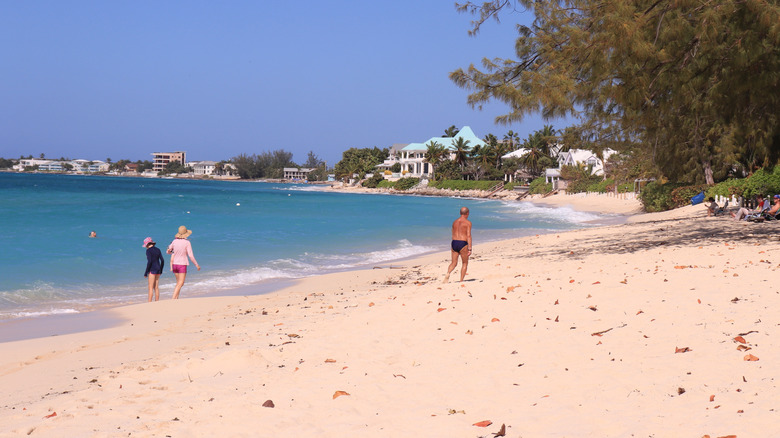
(412, 158)
(202, 168)
(79, 165)
(394, 158)
(297, 173)
(97, 166)
(51, 166)
(576, 157)
(161, 159)
(29, 162)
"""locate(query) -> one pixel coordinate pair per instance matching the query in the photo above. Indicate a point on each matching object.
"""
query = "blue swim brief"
(458, 245)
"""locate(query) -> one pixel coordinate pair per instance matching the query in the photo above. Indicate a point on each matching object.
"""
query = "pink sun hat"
(147, 241)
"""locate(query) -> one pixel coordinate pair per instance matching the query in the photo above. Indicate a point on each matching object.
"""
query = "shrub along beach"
(664, 326)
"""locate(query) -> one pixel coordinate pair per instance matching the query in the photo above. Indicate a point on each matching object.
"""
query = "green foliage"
(174, 167)
(681, 196)
(762, 182)
(5, 164)
(658, 197)
(359, 161)
(693, 85)
(448, 169)
(144, 165)
(578, 178)
(395, 168)
(385, 184)
(406, 183)
(374, 181)
(265, 165)
(538, 186)
(727, 188)
(464, 185)
(320, 172)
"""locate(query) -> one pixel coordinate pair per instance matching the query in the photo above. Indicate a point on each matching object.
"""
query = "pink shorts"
(179, 269)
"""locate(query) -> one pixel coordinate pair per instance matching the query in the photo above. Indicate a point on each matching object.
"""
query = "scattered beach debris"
(607, 330)
(682, 350)
(501, 432)
(484, 423)
(269, 404)
(53, 414)
(338, 394)
(750, 358)
(453, 412)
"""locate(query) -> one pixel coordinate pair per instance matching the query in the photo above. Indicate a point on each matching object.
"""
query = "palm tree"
(461, 151)
(452, 131)
(434, 155)
(532, 161)
(547, 135)
(513, 139)
(219, 168)
(485, 155)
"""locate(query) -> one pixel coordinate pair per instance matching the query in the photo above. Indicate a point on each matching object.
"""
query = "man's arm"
(468, 235)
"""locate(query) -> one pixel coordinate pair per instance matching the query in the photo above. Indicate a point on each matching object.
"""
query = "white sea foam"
(32, 314)
(306, 265)
(302, 188)
(564, 214)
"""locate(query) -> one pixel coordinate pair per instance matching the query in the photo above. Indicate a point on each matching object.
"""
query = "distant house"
(131, 167)
(575, 157)
(297, 173)
(203, 167)
(161, 159)
(98, 166)
(413, 155)
(30, 162)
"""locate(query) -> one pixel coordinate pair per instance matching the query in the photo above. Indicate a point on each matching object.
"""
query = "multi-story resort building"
(297, 173)
(203, 167)
(412, 157)
(161, 159)
(78, 166)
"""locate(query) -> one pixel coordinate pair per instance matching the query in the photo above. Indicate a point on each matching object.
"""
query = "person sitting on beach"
(154, 268)
(461, 244)
(181, 250)
(775, 207)
(743, 212)
(713, 207)
(92, 234)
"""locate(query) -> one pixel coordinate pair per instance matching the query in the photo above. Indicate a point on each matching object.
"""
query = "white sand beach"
(666, 326)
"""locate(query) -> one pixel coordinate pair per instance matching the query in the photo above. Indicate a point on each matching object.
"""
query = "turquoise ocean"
(246, 235)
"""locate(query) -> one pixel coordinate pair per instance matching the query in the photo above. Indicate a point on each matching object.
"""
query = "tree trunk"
(708, 172)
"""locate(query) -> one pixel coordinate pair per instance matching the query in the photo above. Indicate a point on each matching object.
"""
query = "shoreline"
(97, 318)
(605, 331)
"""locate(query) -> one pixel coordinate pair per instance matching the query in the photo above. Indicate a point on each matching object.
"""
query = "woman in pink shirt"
(181, 252)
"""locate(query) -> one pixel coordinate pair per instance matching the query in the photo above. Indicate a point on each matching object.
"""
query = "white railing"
(624, 196)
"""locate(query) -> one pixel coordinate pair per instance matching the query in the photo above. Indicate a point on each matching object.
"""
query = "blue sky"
(122, 79)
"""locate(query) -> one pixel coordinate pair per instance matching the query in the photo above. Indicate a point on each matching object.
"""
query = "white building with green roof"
(412, 158)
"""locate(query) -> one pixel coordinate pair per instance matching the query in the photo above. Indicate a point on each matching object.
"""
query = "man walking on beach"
(461, 243)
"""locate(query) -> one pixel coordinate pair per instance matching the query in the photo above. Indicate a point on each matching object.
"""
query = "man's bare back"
(461, 243)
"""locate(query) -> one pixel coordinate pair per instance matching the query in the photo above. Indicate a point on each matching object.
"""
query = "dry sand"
(620, 331)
